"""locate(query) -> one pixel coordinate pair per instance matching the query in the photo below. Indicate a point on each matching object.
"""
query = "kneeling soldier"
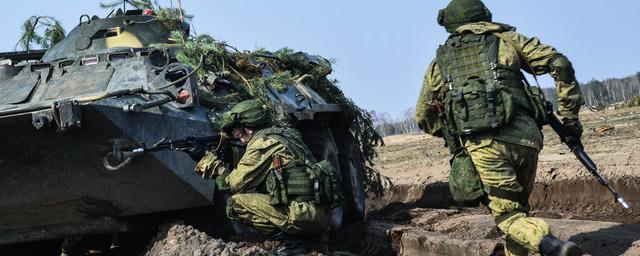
(277, 187)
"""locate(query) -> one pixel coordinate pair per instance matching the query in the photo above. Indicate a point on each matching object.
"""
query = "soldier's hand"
(210, 166)
(572, 126)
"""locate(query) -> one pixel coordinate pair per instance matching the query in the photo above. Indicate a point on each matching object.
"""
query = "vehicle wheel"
(322, 145)
(352, 174)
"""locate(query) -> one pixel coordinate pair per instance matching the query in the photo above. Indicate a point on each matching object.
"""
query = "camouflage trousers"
(299, 218)
(510, 168)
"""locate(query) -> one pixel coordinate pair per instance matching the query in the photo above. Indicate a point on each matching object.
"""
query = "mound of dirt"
(178, 239)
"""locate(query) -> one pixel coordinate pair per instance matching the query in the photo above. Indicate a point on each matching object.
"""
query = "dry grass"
(420, 158)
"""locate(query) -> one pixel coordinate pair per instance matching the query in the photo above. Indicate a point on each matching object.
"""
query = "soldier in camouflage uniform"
(272, 155)
(475, 96)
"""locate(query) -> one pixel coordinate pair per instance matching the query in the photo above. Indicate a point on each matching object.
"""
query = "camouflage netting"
(169, 16)
(251, 74)
(254, 72)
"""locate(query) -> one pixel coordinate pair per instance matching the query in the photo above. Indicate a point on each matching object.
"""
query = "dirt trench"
(424, 220)
(417, 216)
(567, 199)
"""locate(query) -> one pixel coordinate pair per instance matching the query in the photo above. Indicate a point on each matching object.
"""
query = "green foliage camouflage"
(375, 182)
(168, 15)
(255, 72)
(43, 31)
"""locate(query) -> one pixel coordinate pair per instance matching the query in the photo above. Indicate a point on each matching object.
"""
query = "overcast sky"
(383, 47)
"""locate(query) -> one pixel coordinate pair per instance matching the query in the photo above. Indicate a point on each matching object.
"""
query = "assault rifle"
(125, 155)
(575, 144)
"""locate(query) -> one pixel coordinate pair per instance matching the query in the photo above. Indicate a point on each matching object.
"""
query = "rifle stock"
(575, 144)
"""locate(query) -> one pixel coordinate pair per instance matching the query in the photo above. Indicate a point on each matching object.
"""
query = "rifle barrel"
(575, 144)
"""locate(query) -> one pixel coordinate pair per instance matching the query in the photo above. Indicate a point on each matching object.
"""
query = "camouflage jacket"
(523, 129)
(251, 172)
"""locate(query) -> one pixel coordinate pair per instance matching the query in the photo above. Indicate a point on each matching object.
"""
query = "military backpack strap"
(291, 181)
(521, 54)
(535, 94)
(276, 183)
(315, 180)
(286, 137)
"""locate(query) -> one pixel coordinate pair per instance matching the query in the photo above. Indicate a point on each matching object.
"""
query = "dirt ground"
(184, 240)
(417, 216)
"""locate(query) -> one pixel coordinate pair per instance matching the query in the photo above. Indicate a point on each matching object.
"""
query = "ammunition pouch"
(290, 183)
(464, 181)
(302, 182)
(477, 106)
(479, 94)
(300, 179)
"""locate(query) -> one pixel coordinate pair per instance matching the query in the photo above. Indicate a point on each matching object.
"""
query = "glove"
(210, 166)
(196, 152)
(221, 182)
(572, 126)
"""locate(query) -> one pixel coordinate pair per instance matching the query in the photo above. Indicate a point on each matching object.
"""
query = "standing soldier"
(277, 188)
(474, 95)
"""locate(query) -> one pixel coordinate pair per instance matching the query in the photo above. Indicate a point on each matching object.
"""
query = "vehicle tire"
(352, 173)
(321, 143)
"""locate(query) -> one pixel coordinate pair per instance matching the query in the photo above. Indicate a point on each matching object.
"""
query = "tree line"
(386, 125)
(605, 92)
(595, 93)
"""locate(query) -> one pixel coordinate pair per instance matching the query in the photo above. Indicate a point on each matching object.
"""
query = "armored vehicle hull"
(66, 113)
(57, 185)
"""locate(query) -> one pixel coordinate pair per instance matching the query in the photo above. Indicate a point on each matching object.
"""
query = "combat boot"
(290, 245)
(242, 232)
(552, 246)
(318, 243)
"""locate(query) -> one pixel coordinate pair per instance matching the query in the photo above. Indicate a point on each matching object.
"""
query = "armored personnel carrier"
(67, 113)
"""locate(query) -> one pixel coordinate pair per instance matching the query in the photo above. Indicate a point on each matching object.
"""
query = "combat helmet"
(460, 12)
(249, 113)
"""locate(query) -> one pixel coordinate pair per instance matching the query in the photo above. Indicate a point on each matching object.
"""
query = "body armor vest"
(480, 94)
(301, 179)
